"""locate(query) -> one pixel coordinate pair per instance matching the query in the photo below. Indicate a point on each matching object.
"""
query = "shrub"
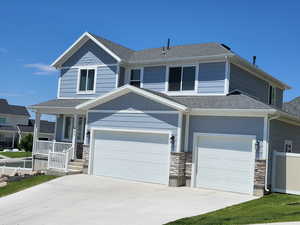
(26, 143)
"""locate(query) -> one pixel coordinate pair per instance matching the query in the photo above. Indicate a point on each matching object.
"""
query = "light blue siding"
(281, 131)
(89, 54)
(225, 125)
(211, 78)
(132, 101)
(248, 83)
(105, 82)
(155, 78)
(142, 121)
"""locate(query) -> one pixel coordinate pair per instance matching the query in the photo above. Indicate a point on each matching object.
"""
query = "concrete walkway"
(83, 199)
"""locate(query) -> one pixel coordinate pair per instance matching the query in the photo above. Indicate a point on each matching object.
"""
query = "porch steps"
(74, 167)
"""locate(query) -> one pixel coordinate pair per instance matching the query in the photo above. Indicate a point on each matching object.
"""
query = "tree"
(26, 143)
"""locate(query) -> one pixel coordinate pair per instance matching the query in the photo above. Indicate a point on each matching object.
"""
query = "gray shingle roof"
(179, 51)
(46, 127)
(121, 51)
(60, 103)
(292, 107)
(5, 108)
(235, 100)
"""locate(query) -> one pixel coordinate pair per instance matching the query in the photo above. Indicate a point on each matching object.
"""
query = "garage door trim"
(195, 154)
(95, 129)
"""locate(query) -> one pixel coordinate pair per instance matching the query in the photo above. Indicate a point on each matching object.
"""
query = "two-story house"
(15, 123)
(197, 115)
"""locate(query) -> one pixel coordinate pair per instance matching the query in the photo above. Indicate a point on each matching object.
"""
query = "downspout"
(267, 153)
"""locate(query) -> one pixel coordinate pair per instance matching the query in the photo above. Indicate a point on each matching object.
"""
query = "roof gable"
(79, 43)
(127, 89)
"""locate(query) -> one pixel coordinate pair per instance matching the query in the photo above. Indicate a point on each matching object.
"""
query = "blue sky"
(34, 33)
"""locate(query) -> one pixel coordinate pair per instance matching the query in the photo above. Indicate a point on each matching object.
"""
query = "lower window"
(68, 126)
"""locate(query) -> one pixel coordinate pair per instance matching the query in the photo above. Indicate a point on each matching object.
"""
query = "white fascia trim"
(133, 111)
(85, 34)
(76, 97)
(233, 112)
(130, 130)
(124, 90)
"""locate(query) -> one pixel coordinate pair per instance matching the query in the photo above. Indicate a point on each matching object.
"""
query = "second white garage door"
(135, 156)
(225, 162)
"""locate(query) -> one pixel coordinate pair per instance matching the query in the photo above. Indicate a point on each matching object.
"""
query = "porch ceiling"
(59, 106)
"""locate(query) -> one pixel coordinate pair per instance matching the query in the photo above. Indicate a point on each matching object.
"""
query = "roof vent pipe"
(254, 60)
(168, 44)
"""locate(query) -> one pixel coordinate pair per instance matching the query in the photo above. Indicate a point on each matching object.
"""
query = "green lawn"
(16, 186)
(16, 154)
(271, 208)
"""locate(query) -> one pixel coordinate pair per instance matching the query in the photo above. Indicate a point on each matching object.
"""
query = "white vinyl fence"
(286, 172)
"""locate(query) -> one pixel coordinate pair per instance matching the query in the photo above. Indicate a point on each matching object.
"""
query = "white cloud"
(42, 69)
(3, 50)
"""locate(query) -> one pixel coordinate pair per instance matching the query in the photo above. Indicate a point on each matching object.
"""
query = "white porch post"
(74, 139)
(36, 131)
(13, 140)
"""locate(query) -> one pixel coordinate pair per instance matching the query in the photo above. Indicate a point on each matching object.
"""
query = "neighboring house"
(195, 115)
(10, 117)
(47, 130)
(15, 123)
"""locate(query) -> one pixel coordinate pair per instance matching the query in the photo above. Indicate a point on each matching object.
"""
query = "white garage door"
(132, 155)
(225, 162)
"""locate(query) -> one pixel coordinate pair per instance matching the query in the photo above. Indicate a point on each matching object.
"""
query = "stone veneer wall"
(177, 169)
(188, 168)
(85, 157)
(259, 177)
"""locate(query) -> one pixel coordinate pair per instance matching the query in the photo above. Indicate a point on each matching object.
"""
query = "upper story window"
(87, 81)
(272, 95)
(182, 78)
(2, 120)
(135, 77)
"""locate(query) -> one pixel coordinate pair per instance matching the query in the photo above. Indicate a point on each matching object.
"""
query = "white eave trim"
(124, 90)
(77, 45)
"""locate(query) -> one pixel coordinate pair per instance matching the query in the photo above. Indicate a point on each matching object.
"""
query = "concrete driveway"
(83, 199)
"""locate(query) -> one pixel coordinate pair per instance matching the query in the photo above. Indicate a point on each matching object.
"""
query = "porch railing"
(44, 147)
(60, 160)
(59, 153)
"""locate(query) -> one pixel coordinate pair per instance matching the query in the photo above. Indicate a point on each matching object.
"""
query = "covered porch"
(70, 133)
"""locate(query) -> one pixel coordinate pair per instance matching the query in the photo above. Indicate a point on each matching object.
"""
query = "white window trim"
(181, 91)
(288, 142)
(273, 102)
(78, 79)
